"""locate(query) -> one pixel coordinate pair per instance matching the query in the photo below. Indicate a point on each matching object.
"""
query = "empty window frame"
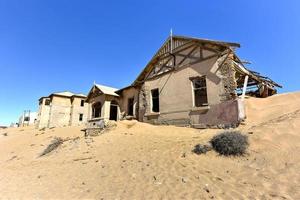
(80, 117)
(82, 103)
(96, 110)
(47, 102)
(155, 100)
(200, 91)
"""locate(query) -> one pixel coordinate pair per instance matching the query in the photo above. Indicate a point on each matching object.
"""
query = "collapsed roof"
(254, 77)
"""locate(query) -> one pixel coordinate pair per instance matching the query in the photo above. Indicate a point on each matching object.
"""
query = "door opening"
(113, 113)
(130, 106)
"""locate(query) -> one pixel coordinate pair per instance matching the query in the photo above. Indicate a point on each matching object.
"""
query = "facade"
(103, 104)
(188, 82)
(62, 109)
(28, 118)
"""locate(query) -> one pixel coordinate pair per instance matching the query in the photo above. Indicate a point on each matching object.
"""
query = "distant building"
(27, 118)
(13, 125)
(62, 109)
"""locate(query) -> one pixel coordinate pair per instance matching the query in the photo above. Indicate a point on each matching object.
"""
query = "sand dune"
(140, 161)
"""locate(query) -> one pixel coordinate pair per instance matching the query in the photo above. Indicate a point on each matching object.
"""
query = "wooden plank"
(245, 87)
(219, 67)
(188, 55)
(164, 65)
(178, 49)
(153, 73)
(201, 52)
(207, 48)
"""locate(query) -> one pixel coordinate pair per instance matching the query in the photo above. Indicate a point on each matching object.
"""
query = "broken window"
(200, 91)
(47, 102)
(155, 100)
(96, 109)
(82, 103)
(80, 117)
(130, 106)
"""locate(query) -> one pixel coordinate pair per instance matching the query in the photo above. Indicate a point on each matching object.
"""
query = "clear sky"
(57, 45)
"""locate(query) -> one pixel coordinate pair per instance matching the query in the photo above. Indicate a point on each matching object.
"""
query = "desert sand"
(141, 161)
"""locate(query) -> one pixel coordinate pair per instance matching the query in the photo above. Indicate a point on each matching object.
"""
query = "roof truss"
(179, 43)
(190, 53)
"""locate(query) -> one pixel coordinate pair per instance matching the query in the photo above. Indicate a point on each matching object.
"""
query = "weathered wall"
(43, 114)
(100, 98)
(142, 102)
(127, 94)
(176, 95)
(105, 101)
(228, 78)
(222, 115)
(60, 111)
(76, 110)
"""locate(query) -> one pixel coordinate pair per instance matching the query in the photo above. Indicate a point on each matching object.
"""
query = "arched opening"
(96, 110)
(113, 113)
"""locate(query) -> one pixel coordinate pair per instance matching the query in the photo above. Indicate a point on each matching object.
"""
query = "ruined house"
(188, 82)
(103, 103)
(62, 109)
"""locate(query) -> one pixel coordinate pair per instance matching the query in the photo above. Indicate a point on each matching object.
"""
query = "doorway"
(130, 106)
(113, 113)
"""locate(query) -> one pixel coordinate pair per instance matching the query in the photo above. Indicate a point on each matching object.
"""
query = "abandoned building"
(27, 118)
(62, 109)
(104, 103)
(188, 82)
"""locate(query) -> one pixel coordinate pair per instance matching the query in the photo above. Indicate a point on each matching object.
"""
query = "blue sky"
(57, 45)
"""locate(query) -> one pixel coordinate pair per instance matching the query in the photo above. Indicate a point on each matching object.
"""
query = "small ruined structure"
(27, 118)
(103, 106)
(188, 82)
(62, 109)
(103, 102)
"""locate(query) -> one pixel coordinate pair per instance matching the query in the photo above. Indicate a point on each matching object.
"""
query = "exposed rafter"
(180, 43)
